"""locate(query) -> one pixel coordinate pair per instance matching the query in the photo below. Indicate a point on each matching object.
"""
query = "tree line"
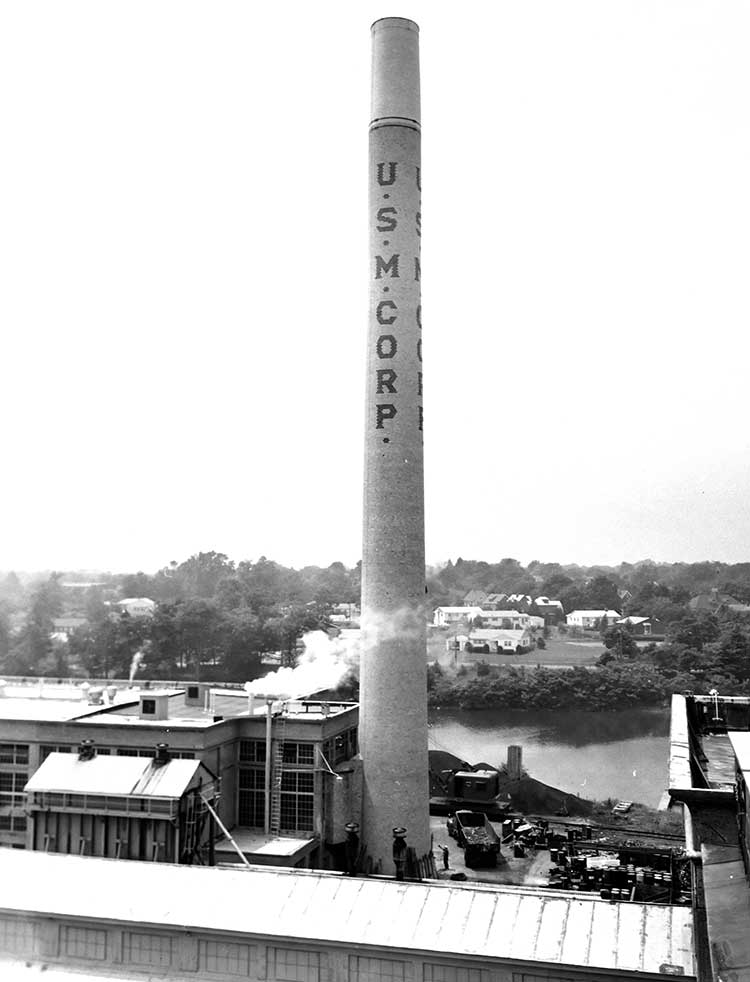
(213, 620)
(218, 619)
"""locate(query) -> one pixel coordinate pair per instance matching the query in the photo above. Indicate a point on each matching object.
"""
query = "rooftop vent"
(86, 750)
(161, 756)
(154, 705)
(195, 694)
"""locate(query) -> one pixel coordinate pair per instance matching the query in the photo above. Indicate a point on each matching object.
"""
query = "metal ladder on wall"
(278, 770)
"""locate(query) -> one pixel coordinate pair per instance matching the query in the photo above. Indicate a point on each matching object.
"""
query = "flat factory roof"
(740, 740)
(264, 845)
(54, 710)
(445, 918)
(113, 775)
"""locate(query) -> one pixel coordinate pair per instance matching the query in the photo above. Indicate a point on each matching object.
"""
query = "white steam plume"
(137, 659)
(322, 665)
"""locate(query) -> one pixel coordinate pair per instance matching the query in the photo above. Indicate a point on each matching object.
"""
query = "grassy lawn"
(558, 651)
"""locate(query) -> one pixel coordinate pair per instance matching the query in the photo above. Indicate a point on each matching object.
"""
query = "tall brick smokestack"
(393, 696)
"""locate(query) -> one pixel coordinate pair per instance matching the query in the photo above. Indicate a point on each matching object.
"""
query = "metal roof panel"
(552, 930)
(526, 927)
(604, 938)
(476, 930)
(576, 943)
(631, 925)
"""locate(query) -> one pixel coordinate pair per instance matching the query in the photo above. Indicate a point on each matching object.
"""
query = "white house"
(483, 641)
(445, 616)
(546, 602)
(591, 618)
(137, 606)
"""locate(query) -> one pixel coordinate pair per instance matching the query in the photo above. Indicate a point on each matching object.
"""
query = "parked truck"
(473, 831)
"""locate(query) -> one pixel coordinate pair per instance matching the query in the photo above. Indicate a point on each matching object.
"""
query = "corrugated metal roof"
(505, 923)
(113, 775)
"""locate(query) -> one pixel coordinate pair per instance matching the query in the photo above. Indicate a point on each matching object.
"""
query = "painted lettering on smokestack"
(393, 698)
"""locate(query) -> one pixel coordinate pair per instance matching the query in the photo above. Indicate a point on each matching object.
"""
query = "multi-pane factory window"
(253, 751)
(84, 942)
(297, 801)
(14, 753)
(45, 749)
(452, 973)
(13, 823)
(12, 784)
(148, 949)
(224, 958)
(295, 966)
(302, 754)
(251, 798)
(376, 970)
(17, 936)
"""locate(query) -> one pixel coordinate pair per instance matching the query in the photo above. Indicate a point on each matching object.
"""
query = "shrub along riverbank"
(614, 686)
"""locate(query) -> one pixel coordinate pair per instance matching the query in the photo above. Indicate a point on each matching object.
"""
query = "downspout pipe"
(267, 782)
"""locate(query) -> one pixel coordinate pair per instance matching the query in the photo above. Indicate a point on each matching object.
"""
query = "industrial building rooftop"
(491, 923)
(45, 700)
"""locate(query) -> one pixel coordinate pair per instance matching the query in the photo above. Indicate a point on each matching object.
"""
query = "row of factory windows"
(336, 750)
(295, 754)
(146, 950)
(17, 754)
(46, 749)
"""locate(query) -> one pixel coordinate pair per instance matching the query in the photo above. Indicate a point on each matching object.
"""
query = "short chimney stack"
(86, 750)
(161, 755)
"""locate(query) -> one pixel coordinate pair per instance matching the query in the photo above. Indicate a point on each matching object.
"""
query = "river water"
(596, 755)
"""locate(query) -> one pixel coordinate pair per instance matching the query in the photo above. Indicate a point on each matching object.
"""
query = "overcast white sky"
(183, 239)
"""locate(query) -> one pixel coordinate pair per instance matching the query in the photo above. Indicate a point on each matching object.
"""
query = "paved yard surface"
(532, 869)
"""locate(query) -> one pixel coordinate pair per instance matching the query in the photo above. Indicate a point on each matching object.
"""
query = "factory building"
(148, 920)
(302, 792)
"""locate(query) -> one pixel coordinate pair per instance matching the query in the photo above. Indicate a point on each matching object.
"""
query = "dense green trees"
(34, 646)
(620, 645)
(193, 638)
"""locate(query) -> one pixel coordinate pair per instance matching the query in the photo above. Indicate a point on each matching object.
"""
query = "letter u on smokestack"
(393, 696)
